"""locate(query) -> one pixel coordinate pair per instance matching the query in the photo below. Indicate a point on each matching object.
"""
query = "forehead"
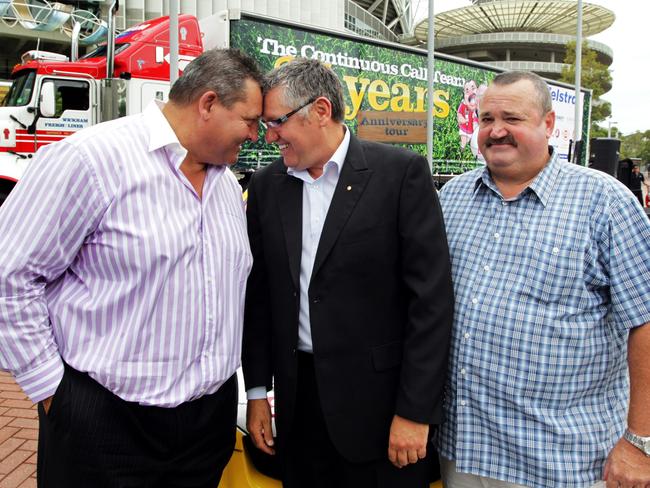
(274, 105)
(514, 97)
(251, 104)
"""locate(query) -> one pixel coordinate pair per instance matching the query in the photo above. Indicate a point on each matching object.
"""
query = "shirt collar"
(161, 134)
(542, 185)
(335, 161)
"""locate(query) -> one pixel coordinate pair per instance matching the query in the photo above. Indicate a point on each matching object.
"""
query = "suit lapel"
(351, 185)
(290, 201)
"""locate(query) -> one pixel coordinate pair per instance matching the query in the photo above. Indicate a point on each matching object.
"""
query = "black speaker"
(603, 154)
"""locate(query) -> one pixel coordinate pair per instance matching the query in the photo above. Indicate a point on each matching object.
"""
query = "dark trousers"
(312, 461)
(92, 438)
(639, 196)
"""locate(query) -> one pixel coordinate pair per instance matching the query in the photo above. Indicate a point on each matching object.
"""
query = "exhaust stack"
(110, 42)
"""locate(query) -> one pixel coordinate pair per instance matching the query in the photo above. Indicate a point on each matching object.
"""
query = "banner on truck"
(385, 91)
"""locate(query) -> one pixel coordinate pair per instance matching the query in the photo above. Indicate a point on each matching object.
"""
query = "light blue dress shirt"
(316, 198)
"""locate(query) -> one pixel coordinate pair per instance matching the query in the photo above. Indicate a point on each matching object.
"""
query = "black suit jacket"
(381, 299)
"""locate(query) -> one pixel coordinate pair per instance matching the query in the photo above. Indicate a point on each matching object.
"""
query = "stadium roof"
(552, 16)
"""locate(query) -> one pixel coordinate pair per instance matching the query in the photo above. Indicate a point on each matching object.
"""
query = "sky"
(629, 97)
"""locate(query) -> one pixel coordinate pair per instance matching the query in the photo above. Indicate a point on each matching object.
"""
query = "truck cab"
(51, 97)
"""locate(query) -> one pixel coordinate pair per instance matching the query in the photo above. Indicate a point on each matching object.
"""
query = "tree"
(636, 145)
(595, 76)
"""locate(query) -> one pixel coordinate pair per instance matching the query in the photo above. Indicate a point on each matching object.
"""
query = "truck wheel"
(5, 188)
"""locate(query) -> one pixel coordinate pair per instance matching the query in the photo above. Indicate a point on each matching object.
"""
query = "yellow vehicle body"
(241, 473)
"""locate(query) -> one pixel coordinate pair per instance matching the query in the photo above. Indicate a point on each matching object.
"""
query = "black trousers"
(91, 438)
(312, 461)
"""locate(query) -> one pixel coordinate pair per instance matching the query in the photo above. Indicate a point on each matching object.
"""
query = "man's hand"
(258, 423)
(408, 441)
(47, 403)
(626, 467)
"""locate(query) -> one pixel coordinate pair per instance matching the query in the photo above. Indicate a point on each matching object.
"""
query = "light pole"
(610, 122)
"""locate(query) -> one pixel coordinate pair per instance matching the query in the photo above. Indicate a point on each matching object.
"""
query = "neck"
(512, 181)
(510, 189)
(177, 118)
(333, 136)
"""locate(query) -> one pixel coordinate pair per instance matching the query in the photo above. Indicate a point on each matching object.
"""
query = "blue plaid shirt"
(547, 287)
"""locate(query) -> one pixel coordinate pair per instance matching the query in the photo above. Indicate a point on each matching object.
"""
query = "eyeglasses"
(281, 120)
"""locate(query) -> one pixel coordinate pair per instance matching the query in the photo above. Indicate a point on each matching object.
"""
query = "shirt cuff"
(256, 393)
(41, 382)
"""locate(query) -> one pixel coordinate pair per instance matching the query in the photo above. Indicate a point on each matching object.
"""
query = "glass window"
(70, 95)
(21, 89)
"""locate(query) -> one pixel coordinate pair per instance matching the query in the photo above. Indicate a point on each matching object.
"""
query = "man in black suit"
(349, 302)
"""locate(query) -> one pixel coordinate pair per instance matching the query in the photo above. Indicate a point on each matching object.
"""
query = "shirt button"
(466, 336)
(463, 403)
(504, 203)
(497, 236)
(462, 371)
(474, 301)
(486, 268)
(556, 250)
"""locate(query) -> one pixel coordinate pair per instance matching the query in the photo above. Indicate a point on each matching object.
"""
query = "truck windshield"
(21, 89)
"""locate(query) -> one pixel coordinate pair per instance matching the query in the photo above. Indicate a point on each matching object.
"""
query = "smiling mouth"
(282, 147)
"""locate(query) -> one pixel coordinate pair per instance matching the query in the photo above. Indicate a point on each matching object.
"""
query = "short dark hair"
(543, 93)
(304, 79)
(223, 71)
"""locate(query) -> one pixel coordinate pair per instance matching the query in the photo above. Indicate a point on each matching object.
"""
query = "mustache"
(503, 140)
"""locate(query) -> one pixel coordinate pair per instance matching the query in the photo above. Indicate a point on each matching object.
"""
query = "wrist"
(640, 442)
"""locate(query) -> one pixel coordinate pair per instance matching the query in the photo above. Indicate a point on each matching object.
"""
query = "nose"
(270, 136)
(253, 133)
(498, 130)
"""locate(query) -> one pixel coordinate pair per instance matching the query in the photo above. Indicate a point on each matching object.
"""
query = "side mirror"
(48, 100)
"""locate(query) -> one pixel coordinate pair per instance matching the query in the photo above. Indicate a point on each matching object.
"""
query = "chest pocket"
(554, 272)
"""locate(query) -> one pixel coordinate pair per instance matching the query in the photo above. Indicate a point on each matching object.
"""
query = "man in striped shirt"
(125, 257)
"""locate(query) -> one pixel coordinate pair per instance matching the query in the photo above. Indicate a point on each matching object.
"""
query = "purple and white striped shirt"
(112, 263)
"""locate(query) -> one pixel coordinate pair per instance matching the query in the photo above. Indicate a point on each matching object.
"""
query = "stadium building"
(529, 35)
(48, 25)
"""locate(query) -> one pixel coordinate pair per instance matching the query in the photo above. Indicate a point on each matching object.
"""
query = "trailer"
(384, 84)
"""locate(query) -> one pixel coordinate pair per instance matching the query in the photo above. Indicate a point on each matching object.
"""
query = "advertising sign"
(385, 90)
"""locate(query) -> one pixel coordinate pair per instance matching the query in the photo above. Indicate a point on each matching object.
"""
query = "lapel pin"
(349, 188)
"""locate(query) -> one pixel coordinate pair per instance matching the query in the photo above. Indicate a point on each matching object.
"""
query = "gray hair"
(304, 79)
(540, 86)
(223, 71)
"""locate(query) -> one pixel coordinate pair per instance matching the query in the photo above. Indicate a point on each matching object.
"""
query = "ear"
(323, 109)
(549, 122)
(206, 103)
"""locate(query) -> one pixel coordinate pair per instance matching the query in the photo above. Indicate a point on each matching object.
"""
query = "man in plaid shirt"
(551, 339)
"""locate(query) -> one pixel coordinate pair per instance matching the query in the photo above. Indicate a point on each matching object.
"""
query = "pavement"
(18, 436)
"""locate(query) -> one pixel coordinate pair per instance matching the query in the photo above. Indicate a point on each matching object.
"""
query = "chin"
(289, 163)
